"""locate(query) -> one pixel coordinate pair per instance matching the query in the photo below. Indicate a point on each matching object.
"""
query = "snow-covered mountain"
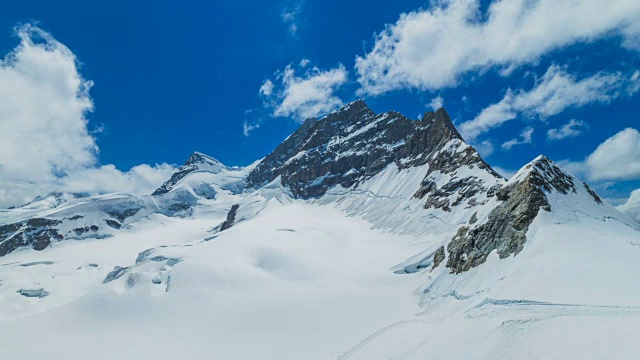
(361, 236)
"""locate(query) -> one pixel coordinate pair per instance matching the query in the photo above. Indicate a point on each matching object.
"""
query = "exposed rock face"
(231, 218)
(86, 229)
(126, 210)
(448, 161)
(438, 257)
(36, 233)
(39, 232)
(507, 224)
(114, 224)
(593, 194)
(353, 144)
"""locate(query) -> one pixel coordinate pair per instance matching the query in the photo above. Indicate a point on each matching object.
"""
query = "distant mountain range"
(361, 236)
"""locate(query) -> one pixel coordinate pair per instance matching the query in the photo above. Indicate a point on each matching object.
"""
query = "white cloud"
(140, 179)
(571, 129)
(617, 158)
(267, 88)
(436, 103)
(432, 48)
(43, 102)
(632, 206)
(484, 148)
(525, 138)
(554, 92)
(248, 128)
(45, 144)
(309, 95)
(304, 62)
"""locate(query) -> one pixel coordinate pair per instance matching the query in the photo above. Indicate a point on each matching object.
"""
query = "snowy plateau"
(361, 236)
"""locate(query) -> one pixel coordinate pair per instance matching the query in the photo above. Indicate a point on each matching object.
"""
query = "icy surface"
(304, 280)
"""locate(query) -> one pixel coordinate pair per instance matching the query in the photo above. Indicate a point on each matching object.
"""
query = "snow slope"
(298, 281)
(302, 280)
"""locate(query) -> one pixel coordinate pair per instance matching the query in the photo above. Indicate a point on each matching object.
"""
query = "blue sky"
(520, 78)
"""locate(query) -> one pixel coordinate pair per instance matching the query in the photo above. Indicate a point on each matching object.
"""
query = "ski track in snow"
(513, 314)
(373, 336)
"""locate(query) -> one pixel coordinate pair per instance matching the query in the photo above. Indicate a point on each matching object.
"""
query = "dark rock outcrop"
(438, 257)
(231, 218)
(36, 233)
(125, 211)
(82, 230)
(353, 144)
(447, 162)
(593, 194)
(114, 224)
(507, 224)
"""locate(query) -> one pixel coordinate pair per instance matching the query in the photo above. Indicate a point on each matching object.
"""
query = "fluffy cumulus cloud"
(571, 129)
(526, 137)
(311, 94)
(140, 179)
(43, 102)
(432, 48)
(267, 88)
(617, 158)
(632, 206)
(552, 93)
(45, 144)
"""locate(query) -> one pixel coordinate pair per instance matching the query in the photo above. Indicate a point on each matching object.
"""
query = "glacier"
(362, 236)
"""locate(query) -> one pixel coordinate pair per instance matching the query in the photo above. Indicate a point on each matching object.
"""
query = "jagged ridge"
(353, 144)
(506, 226)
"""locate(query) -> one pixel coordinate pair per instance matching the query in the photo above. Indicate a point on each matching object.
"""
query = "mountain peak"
(352, 144)
(201, 158)
(355, 106)
(441, 119)
(542, 158)
(350, 112)
(540, 185)
(546, 174)
(196, 162)
(438, 115)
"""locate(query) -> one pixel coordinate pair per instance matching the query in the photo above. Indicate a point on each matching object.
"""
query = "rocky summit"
(353, 144)
(360, 236)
